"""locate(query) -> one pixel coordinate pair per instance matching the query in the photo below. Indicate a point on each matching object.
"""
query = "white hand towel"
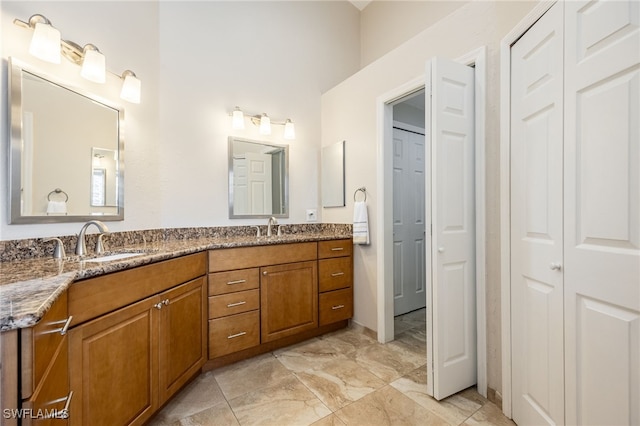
(360, 223)
(56, 207)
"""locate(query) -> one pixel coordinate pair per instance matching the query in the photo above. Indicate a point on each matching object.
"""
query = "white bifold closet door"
(575, 216)
(451, 301)
(602, 212)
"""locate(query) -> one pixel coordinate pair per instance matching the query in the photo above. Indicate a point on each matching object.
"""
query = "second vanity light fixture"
(264, 123)
(46, 44)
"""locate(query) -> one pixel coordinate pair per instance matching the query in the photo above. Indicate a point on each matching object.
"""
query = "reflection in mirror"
(62, 139)
(258, 179)
(333, 175)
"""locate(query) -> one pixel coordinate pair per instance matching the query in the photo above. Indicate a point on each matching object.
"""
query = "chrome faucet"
(272, 221)
(81, 246)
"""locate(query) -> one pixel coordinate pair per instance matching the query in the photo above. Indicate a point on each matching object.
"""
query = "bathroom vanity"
(117, 344)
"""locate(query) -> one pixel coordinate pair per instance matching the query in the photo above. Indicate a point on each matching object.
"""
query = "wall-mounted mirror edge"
(43, 214)
(274, 200)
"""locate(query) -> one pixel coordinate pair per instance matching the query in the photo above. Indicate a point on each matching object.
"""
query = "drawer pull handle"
(236, 282)
(337, 307)
(64, 413)
(233, 336)
(337, 274)
(337, 248)
(231, 305)
(66, 325)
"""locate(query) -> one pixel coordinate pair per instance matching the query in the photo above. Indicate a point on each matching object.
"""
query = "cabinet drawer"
(252, 257)
(40, 342)
(334, 273)
(231, 281)
(334, 248)
(336, 306)
(233, 303)
(233, 333)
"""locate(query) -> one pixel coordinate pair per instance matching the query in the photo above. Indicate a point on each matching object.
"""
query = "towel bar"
(361, 189)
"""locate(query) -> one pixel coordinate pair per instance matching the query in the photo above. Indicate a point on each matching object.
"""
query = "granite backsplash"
(31, 248)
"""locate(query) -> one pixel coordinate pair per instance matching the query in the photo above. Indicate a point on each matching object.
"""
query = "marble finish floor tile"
(388, 406)
(288, 403)
(339, 383)
(342, 378)
(454, 409)
(313, 353)
(249, 375)
(202, 393)
(388, 362)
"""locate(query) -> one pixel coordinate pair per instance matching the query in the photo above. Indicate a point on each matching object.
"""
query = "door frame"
(505, 190)
(384, 109)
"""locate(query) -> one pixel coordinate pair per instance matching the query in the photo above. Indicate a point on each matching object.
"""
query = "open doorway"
(409, 225)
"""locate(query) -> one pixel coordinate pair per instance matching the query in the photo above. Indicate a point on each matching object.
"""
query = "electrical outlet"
(312, 215)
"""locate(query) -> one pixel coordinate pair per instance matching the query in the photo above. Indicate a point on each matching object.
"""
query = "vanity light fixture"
(130, 87)
(47, 45)
(94, 64)
(263, 122)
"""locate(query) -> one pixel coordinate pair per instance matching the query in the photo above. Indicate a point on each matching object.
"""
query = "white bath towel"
(360, 223)
(56, 207)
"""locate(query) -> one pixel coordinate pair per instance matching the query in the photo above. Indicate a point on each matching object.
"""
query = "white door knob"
(555, 266)
(440, 249)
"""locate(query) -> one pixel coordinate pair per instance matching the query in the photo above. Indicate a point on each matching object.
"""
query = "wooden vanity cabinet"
(125, 364)
(335, 266)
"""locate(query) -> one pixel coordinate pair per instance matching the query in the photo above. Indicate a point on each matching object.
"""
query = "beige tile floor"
(343, 378)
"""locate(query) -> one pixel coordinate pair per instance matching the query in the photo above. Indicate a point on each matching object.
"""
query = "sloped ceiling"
(360, 4)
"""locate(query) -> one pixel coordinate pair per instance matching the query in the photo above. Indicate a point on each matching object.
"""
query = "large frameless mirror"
(258, 179)
(66, 152)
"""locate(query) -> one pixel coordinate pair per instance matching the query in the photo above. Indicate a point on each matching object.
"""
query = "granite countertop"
(28, 288)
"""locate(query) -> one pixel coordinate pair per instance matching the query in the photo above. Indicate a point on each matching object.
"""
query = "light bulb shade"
(237, 122)
(94, 65)
(45, 43)
(131, 88)
(289, 130)
(265, 125)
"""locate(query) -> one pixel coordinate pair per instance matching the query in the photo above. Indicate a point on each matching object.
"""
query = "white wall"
(197, 60)
(273, 57)
(349, 113)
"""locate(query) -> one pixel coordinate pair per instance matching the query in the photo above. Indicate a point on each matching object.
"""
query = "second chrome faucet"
(81, 246)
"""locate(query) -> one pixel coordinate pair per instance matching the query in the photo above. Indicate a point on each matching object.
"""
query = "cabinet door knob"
(166, 302)
(264, 272)
(440, 249)
(555, 266)
(158, 305)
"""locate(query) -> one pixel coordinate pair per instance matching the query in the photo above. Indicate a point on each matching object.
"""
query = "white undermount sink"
(112, 257)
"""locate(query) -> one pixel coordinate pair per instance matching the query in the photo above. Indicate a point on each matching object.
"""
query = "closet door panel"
(536, 223)
(602, 212)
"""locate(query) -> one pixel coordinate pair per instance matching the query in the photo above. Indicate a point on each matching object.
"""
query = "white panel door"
(451, 322)
(602, 212)
(240, 190)
(259, 183)
(536, 223)
(409, 254)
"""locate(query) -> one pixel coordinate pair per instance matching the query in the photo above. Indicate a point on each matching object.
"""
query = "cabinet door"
(183, 335)
(50, 398)
(288, 299)
(113, 366)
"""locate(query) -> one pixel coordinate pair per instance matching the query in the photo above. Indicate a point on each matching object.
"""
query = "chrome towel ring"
(361, 189)
(58, 191)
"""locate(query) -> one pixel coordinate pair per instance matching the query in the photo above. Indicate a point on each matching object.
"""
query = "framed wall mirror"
(258, 179)
(66, 151)
(333, 175)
